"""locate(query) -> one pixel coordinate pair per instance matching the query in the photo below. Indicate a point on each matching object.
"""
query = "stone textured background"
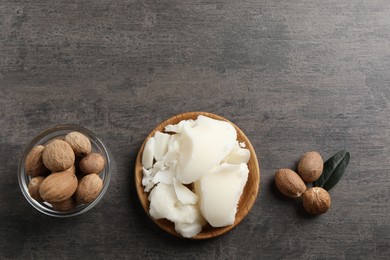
(293, 75)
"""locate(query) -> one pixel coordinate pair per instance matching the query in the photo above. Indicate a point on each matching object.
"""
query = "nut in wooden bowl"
(246, 200)
(55, 196)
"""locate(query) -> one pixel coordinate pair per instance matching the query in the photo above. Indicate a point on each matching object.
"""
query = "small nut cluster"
(65, 173)
(316, 200)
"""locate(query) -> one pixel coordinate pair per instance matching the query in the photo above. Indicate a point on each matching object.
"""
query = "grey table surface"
(295, 76)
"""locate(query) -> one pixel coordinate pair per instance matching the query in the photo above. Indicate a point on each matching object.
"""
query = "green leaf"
(334, 168)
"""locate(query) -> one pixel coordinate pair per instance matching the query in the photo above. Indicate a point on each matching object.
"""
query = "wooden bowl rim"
(209, 232)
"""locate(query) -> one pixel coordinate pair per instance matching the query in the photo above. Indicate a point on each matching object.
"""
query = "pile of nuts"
(65, 173)
(316, 200)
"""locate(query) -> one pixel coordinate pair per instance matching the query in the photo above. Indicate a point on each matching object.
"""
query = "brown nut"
(33, 188)
(34, 162)
(316, 200)
(66, 205)
(58, 156)
(92, 163)
(72, 169)
(289, 183)
(310, 166)
(58, 186)
(80, 144)
(89, 188)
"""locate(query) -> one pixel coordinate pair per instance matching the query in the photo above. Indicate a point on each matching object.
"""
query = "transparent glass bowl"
(43, 138)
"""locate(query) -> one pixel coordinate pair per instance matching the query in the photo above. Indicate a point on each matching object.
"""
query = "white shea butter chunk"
(164, 204)
(219, 192)
(188, 230)
(160, 144)
(184, 194)
(147, 179)
(148, 154)
(238, 155)
(170, 157)
(203, 146)
(178, 128)
(164, 176)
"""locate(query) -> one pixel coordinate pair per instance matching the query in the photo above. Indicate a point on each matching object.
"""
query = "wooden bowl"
(247, 198)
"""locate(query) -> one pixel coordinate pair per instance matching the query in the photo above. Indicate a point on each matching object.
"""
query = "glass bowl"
(43, 138)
